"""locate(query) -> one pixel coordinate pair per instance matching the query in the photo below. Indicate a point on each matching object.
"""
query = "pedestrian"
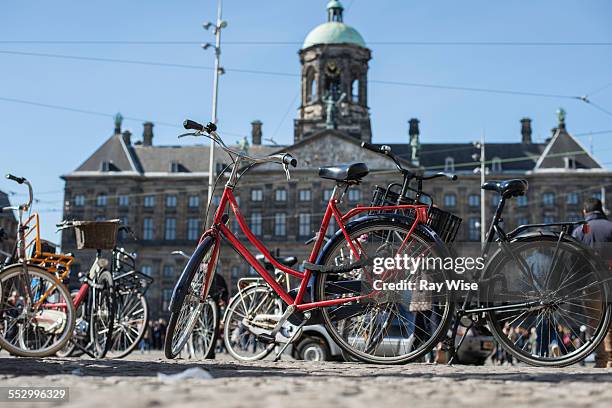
(598, 236)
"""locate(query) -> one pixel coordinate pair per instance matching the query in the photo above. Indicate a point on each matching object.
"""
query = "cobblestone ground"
(133, 382)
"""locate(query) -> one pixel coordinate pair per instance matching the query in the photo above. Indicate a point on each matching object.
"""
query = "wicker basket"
(96, 234)
(445, 224)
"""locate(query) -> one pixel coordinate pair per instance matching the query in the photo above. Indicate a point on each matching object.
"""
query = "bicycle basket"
(445, 224)
(96, 234)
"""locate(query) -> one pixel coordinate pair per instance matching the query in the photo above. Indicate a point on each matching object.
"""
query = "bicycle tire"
(548, 359)
(206, 332)
(63, 298)
(196, 273)
(102, 314)
(134, 307)
(371, 226)
(246, 339)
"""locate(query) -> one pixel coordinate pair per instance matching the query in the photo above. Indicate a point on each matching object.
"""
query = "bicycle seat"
(507, 188)
(344, 172)
(288, 261)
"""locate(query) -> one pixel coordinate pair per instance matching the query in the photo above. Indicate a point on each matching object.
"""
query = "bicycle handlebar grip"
(371, 147)
(190, 124)
(16, 179)
(451, 176)
(289, 160)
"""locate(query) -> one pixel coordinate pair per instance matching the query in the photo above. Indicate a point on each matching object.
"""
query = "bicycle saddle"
(344, 172)
(288, 261)
(507, 188)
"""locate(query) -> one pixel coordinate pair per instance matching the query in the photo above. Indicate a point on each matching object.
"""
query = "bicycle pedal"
(265, 338)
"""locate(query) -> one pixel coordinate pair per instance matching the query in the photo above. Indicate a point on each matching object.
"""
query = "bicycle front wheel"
(204, 337)
(552, 301)
(186, 305)
(102, 314)
(405, 311)
(37, 316)
(130, 324)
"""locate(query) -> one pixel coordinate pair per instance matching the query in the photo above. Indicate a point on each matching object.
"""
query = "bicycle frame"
(219, 228)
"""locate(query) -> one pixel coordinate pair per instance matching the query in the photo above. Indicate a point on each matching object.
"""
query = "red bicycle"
(338, 287)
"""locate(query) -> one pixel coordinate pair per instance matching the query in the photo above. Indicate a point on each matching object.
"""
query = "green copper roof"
(333, 33)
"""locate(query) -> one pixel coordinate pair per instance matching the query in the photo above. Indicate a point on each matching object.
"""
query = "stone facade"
(8, 224)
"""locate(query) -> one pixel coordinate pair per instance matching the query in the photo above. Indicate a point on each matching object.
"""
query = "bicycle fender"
(190, 270)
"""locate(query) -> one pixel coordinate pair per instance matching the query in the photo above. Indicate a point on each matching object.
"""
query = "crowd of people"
(154, 336)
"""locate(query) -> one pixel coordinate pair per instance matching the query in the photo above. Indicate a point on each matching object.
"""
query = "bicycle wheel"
(556, 300)
(186, 305)
(102, 314)
(37, 315)
(204, 337)
(254, 308)
(130, 324)
(78, 336)
(394, 324)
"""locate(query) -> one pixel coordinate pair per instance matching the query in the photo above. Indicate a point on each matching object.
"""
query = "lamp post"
(480, 157)
(220, 24)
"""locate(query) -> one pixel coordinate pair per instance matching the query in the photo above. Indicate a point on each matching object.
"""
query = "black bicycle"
(544, 296)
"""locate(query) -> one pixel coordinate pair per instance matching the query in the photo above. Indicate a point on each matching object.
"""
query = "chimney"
(526, 130)
(415, 144)
(414, 128)
(256, 132)
(147, 134)
(127, 137)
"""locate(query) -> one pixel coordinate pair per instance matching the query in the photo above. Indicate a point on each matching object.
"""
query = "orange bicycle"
(37, 315)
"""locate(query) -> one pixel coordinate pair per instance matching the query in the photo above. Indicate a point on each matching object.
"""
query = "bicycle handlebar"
(23, 180)
(209, 131)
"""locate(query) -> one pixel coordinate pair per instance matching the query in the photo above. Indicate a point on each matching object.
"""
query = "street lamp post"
(482, 169)
(220, 24)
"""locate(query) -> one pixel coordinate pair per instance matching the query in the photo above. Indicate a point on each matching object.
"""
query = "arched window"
(449, 164)
(311, 86)
(355, 91)
(496, 165)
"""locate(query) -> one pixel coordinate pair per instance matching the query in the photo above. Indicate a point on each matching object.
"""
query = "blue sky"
(42, 143)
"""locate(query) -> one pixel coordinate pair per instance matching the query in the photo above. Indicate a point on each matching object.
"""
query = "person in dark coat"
(598, 236)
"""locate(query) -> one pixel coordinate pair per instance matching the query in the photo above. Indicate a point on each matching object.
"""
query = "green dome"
(333, 32)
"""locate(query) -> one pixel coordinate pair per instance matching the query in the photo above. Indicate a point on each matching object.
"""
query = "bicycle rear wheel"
(185, 304)
(394, 324)
(37, 316)
(556, 300)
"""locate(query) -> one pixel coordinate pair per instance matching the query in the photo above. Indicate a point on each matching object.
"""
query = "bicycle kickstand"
(291, 339)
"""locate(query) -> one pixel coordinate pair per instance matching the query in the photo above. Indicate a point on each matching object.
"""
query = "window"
(548, 199)
(495, 199)
(597, 195)
(168, 271)
(327, 193)
(123, 201)
(193, 229)
(474, 200)
(257, 194)
(171, 201)
(449, 164)
(304, 228)
(79, 200)
(522, 201)
(572, 198)
(280, 194)
(311, 86)
(331, 228)
(256, 223)
(193, 201)
(122, 233)
(548, 219)
(175, 167)
(147, 228)
(573, 217)
(496, 165)
(166, 296)
(170, 230)
(354, 195)
(280, 224)
(101, 200)
(149, 201)
(570, 163)
(474, 229)
(235, 272)
(147, 270)
(355, 91)
(450, 200)
(305, 195)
